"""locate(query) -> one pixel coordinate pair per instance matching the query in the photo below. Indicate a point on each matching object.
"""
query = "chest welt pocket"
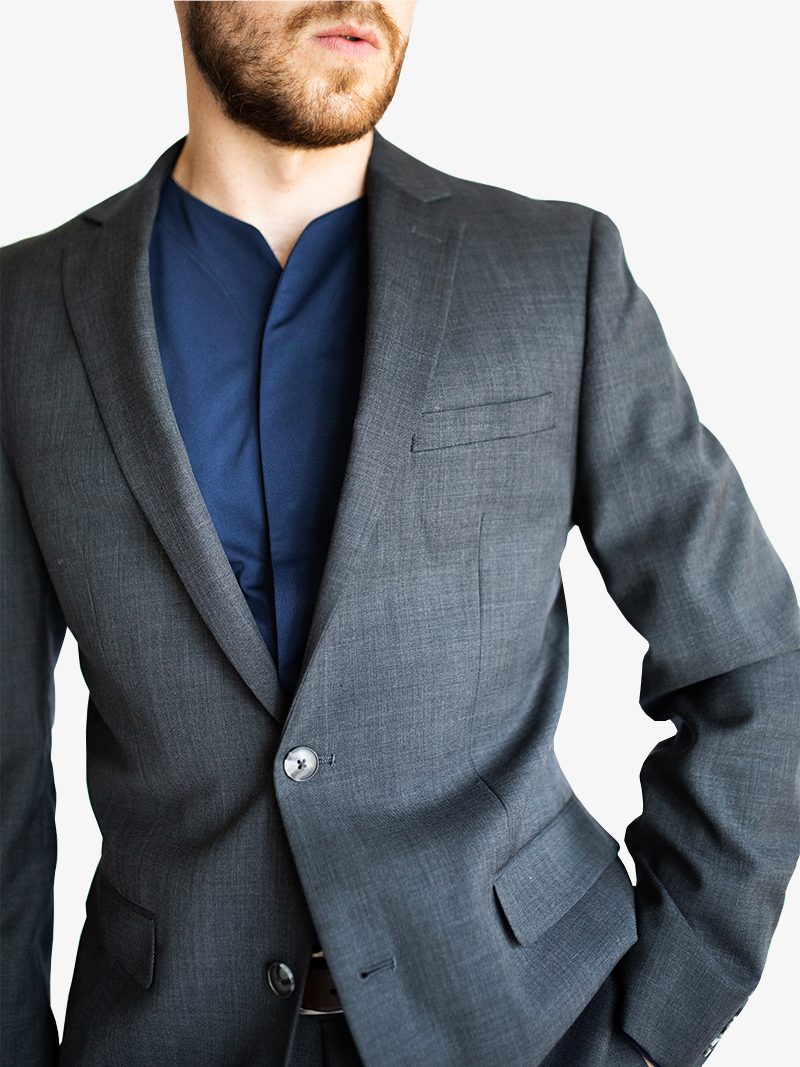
(484, 422)
(126, 931)
(551, 872)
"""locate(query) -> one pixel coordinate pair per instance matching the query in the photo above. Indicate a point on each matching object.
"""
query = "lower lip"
(358, 49)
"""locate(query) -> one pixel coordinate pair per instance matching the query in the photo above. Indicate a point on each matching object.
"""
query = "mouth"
(360, 42)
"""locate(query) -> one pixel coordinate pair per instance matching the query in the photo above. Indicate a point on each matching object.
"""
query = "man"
(362, 758)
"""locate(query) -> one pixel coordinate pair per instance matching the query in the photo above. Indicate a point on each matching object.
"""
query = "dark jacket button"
(281, 979)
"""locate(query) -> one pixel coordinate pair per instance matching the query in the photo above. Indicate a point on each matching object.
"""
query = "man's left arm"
(667, 520)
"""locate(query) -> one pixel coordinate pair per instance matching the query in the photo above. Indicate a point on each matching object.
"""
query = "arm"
(32, 632)
(682, 553)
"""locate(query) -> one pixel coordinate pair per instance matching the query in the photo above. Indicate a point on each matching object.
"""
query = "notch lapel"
(414, 237)
(107, 291)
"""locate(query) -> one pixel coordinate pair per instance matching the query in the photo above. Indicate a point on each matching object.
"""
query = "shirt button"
(301, 763)
(281, 979)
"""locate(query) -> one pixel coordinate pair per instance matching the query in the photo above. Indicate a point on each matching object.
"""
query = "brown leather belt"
(319, 994)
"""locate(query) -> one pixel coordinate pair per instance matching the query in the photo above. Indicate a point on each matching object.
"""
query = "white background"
(677, 119)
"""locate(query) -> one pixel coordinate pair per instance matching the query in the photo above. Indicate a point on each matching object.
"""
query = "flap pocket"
(486, 422)
(549, 874)
(126, 931)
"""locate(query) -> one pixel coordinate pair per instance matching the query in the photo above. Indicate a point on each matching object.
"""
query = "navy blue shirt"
(263, 367)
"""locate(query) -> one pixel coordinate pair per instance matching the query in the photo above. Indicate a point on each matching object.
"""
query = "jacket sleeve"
(667, 521)
(32, 633)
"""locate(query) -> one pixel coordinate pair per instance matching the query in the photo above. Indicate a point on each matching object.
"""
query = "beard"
(259, 83)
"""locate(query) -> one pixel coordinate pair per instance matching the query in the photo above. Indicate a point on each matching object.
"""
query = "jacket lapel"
(414, 238)
(107, 290)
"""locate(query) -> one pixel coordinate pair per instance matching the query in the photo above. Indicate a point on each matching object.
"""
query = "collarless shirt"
(263, 367)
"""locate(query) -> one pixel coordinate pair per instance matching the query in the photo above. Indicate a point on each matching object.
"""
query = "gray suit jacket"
(516, 382)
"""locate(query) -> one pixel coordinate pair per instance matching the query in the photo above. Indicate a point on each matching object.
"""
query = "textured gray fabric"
(594, 1039)
(515, 382)
(321, 1041)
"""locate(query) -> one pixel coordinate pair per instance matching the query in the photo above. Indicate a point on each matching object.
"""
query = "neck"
(276, 188)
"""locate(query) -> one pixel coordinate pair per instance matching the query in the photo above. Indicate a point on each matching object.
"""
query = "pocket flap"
(549, 874)
(485, 422)
(126, 931)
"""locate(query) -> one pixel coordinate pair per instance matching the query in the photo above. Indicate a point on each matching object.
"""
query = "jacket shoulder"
(31, 256)
(32, 288)
(28, 263)
(484, 206)
(491, 200)
(25, 260)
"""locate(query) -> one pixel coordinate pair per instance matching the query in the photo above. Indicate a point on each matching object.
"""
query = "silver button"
(281, 979)
(301, 763)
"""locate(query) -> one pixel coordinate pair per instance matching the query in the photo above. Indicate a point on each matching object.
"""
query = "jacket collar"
(386, 161)
(413, 242)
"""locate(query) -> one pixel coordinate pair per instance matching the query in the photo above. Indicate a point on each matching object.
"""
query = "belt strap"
(319, 994)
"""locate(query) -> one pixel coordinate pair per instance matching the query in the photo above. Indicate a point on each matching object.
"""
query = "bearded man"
(294, 433)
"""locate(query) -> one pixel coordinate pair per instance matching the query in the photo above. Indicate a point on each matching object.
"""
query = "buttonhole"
(426, 236)
(384, 965)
